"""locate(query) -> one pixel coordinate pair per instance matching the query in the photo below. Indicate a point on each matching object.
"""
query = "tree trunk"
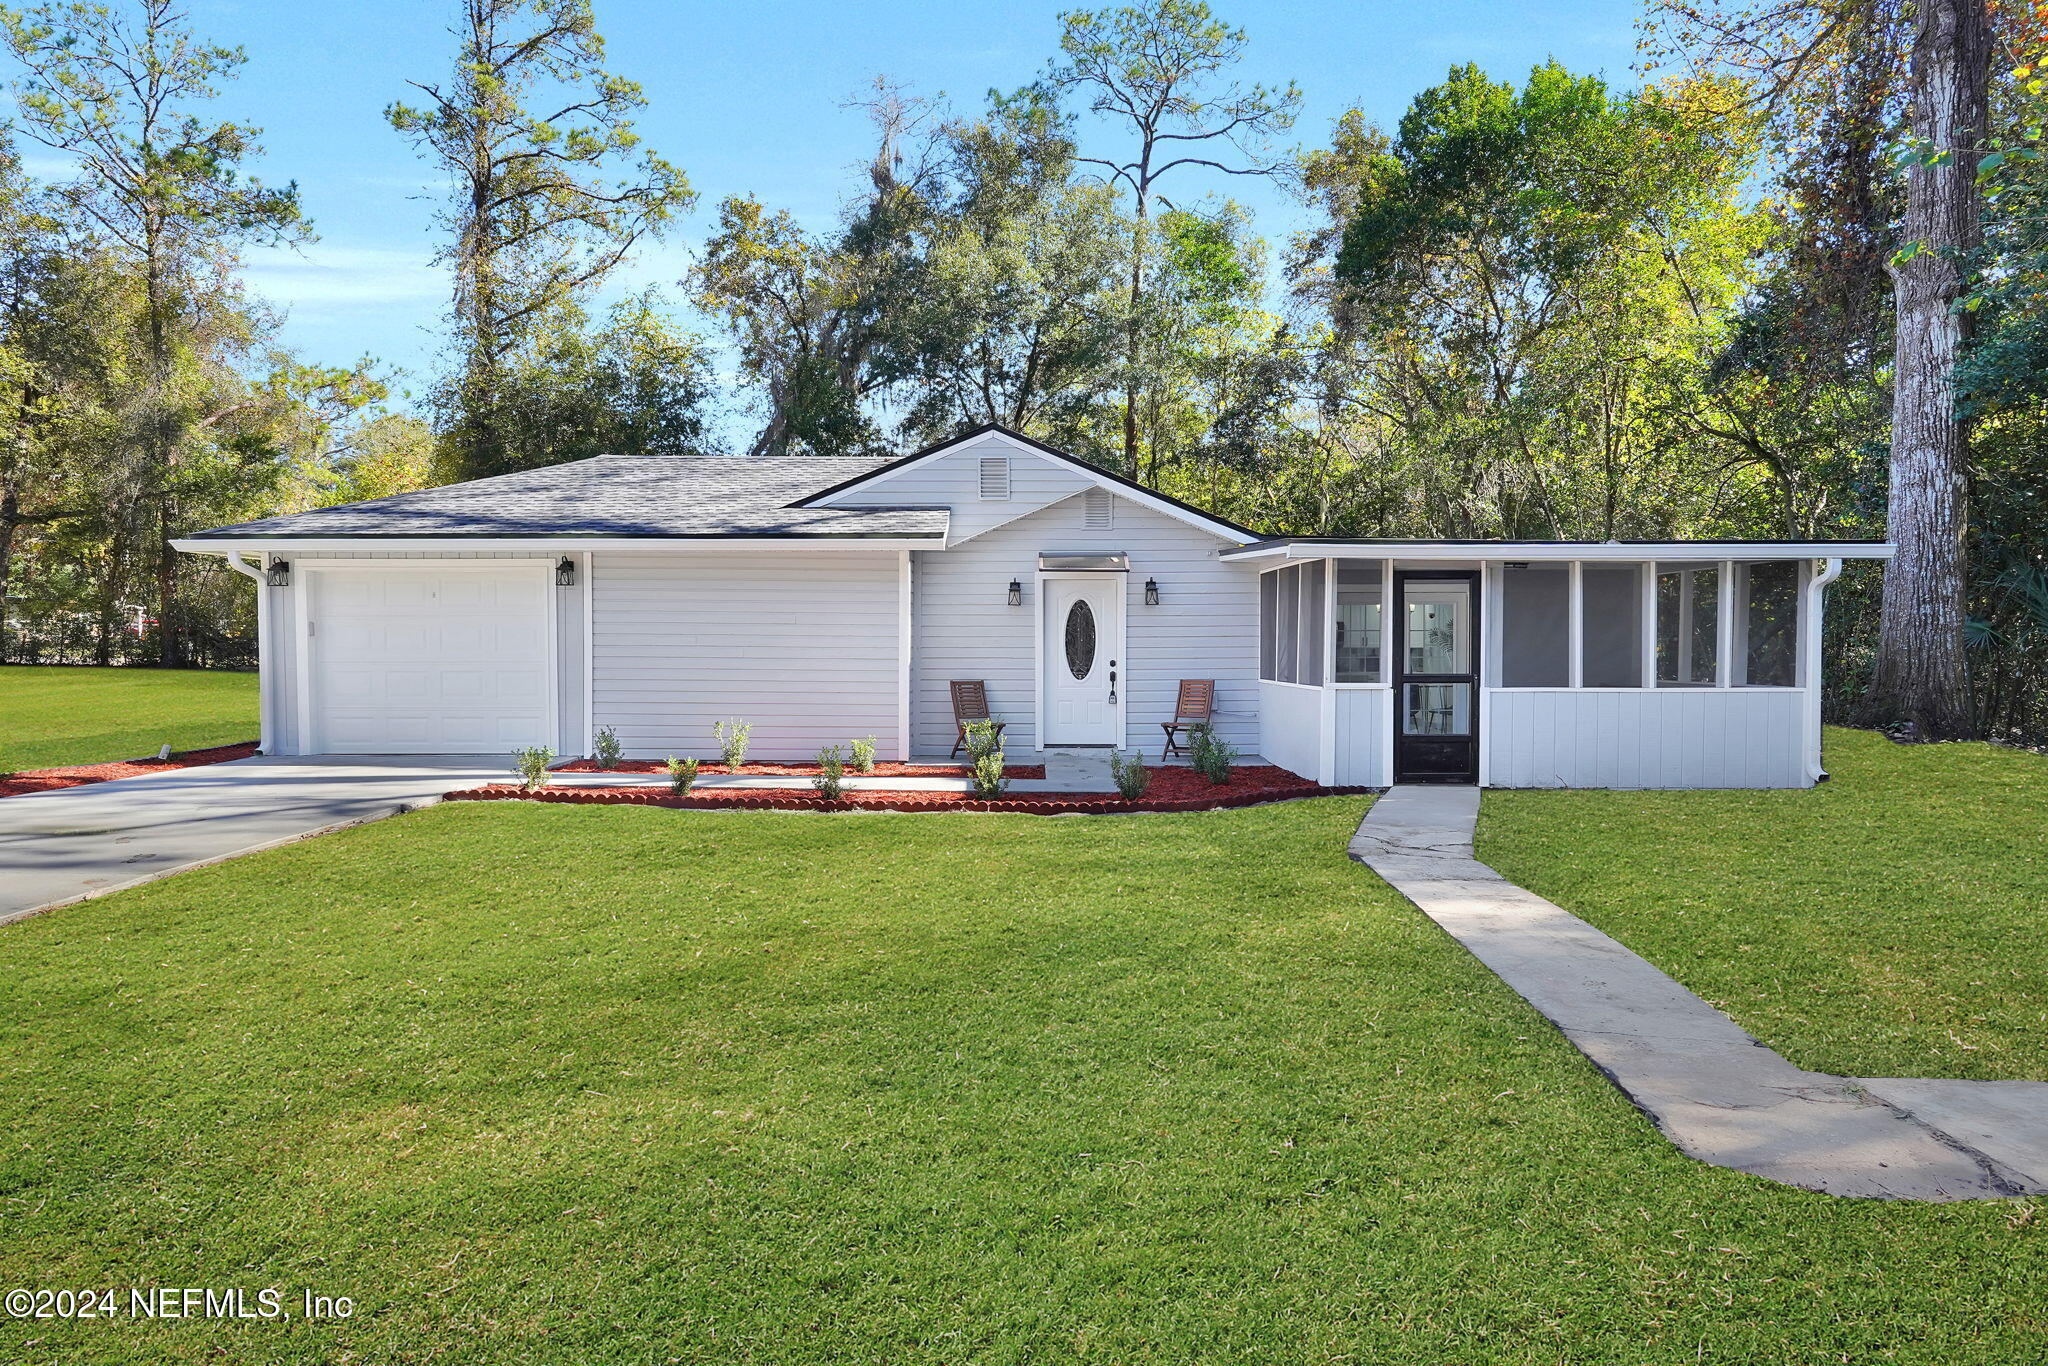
(1131, 332)
(1921, 674)
(10, 518)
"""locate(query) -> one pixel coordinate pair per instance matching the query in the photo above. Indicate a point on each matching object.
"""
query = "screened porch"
(1525, 665)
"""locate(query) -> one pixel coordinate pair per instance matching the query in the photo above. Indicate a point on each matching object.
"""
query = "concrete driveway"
(82, 841)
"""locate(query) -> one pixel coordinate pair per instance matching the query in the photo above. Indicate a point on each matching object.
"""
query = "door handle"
(1112, 682)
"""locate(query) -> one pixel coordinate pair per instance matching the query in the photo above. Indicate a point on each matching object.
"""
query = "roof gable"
(1080, 474)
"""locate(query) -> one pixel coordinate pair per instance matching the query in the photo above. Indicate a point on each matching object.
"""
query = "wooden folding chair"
(1196, 704)
(970, 703)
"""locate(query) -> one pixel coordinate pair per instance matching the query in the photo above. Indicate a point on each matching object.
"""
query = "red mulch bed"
(1173, 789)
(806, 769)
(79, 775)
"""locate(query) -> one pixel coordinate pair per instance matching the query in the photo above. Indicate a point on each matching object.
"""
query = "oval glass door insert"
(1080, 639)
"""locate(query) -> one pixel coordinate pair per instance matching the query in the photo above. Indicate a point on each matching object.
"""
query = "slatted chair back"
(1197, 700)
(970, 700)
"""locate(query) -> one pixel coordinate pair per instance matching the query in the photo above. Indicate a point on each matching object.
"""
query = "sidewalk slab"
(1713, 1089)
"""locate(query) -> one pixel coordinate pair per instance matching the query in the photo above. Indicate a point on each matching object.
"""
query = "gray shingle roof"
(617, 495)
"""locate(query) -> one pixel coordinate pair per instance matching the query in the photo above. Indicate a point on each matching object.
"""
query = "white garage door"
(425, 660)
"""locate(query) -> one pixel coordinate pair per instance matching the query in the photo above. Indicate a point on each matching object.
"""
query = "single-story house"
(828, 599)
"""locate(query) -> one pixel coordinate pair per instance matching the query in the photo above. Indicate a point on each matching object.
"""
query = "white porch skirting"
(1646, 737)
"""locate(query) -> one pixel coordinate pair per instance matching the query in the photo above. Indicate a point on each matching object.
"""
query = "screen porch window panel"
(1288, 614)
(1611, 626)
(1771, 624)
(1269, 625)
(1356, 617)
(1705, 625)
(1688, 601)
(1309, 664)
(1535, 623)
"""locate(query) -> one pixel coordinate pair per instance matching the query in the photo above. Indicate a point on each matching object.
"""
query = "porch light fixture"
(279, 574)
(565, 573)
(1016, 593)
(1151, 592)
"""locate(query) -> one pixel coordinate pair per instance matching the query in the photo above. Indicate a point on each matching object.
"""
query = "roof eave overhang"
(1554, 551)
(254, 543)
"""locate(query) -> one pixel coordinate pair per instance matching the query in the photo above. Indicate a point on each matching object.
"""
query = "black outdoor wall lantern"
(1151, 592)
(565, 573)
(279, 574)
(1016, 593)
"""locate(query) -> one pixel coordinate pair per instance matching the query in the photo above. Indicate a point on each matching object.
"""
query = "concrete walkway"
(78, 842)
(1714, 1090)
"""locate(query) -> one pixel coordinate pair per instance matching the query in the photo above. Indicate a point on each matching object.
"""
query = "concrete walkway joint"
(1711, 1088)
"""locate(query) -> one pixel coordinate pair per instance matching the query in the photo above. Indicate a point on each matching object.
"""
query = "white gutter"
(1816, 587)
(547, 545)
(1704, 552)
(255, 575)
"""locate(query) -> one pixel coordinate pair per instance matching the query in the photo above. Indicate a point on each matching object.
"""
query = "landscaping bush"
(985, 758)
(831, 779)
(863, 760)
(532, 763)
(608, 750)
(1130, 773)
(682, 774)
(1209, 755)
(732, 741)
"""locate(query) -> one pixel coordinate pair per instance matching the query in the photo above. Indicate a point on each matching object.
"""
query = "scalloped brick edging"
(1052, 804)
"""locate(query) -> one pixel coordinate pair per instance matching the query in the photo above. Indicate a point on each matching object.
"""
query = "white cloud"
(322, 277)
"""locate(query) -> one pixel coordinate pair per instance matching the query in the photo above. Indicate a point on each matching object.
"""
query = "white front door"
(422, 659)
(1084, 677)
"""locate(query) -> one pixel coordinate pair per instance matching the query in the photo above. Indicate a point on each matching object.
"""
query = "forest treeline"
(1542, 304)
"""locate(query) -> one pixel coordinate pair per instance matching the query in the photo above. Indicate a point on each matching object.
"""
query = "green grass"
(1892, 922)
(601, 1085)
(52, 716)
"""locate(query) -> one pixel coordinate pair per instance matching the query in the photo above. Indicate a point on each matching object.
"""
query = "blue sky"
(750, 98)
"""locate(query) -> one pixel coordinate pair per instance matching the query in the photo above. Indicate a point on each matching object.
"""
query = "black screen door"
(1436, 678)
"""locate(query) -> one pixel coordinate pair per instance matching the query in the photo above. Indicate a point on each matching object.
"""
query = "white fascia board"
(554, 545)
(1012, 446)
(1703, 551)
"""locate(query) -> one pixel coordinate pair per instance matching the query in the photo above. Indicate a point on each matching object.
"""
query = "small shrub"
(532, 763)
(682, 774)
(831, 779)
(1130, 773)
(863, 760)
(608, 749)
(1209, 756)
(985, 759)
(732, 741)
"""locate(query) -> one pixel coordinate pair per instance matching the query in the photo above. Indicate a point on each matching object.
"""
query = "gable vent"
(995, 478)
(1095, 509)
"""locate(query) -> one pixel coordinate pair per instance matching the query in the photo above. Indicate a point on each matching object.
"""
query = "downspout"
(1816, 587)
(255, 575)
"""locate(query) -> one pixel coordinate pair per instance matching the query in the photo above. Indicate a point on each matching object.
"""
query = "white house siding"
(1291, 726)
(1655, 737)
(1206, 624)
(1363, 730)
(952, 481)
(280, 655)
(802, 643)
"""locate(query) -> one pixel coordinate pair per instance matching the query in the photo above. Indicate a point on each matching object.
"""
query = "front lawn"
(1892, 922)
(601, 1085)
(56, 715)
